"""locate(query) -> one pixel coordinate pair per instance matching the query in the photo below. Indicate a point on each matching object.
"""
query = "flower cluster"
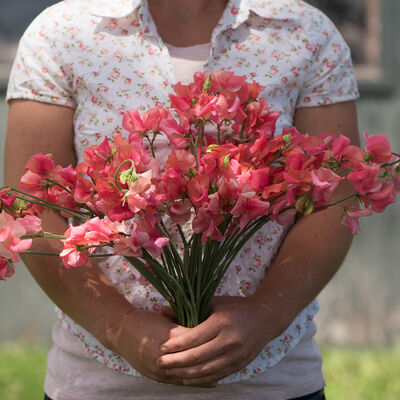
(226, 175)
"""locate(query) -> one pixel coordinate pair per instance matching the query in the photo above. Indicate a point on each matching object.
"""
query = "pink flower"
(325, 183)
(198, 190)
(208, 218)
(82, 239)
(72, 257)
(380, 200)
(249, 207)
(378, 148)
(351, 218)
(40, 164)
(6, 200)
(31, 223)
(364, 180)
(11, 232)
(132, 122)
(180, 211)
(6, 269)
(181, 160)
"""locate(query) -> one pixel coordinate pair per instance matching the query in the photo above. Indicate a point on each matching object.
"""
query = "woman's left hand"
(233, 335)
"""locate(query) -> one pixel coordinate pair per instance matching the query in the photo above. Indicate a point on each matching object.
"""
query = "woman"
(79, 66)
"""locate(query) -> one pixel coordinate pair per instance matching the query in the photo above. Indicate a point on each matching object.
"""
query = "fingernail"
(164, 349)
(160, 364)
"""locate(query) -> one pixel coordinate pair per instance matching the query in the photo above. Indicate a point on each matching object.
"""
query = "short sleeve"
(329, 74)
(39, 72)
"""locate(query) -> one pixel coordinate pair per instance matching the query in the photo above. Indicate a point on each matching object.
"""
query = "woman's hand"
(233, 335)
(139, 338)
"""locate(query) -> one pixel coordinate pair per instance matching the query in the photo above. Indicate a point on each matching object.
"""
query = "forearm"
(84, 293)
(310, 255)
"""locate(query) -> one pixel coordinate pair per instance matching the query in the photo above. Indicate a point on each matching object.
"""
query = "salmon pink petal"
(378, 148)
(31, 223)
(132, 122)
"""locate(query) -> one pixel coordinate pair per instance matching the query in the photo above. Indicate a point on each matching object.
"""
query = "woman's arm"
(310, 255)
(84, 293)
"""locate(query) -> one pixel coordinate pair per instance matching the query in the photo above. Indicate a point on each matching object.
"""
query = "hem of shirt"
(50, 388)
(42, 99)
(337, 100)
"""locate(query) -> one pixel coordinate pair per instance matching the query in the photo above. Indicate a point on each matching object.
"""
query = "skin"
(238, 328)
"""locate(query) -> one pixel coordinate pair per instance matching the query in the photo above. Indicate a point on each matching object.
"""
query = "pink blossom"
(6, 269)
(378, 148)
(208, 218)
(351, 218)
(180, 211)
(380, 200)
(6, 200)
(365, 180)
(132, 122)
(325, 183)
(31, 223)
(181, 160)
(40, 164)
(198, 189)
(249, 207)
(11, 232)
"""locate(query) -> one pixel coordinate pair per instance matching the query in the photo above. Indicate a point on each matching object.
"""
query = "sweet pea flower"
(40, 164)
(380, 200)
(377, 148)
(31, 223)
(132, 122)
(83, 239)
(6, 269)
(350, 219)
(150, 238)
(72, 257)
(197, 189)
(249, 207)
(180, 211)
(181, 160)
(6, 200)
(325, 183)
(365, 180)
(11, 232)
(208, 218)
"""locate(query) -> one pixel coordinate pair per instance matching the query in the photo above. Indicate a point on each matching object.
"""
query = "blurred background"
(361, 305)
(359, 321)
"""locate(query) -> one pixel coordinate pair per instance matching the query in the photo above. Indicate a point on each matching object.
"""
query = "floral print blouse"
(102, 58)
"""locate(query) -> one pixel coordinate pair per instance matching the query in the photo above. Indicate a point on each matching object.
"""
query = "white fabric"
(188, 60)
(104, 57)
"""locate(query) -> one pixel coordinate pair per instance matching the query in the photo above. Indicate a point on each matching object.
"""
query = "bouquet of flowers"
(181, 224)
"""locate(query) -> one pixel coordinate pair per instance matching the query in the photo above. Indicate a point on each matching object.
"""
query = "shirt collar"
(275, 9)
(115, 8)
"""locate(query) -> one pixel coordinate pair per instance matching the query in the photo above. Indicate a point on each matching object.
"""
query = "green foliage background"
(356, 374)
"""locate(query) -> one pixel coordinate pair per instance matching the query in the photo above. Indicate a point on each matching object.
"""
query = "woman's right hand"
(141, 335)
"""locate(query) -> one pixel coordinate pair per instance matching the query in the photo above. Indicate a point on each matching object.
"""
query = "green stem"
(45, 235)
(46, 203)
(332, 204)
(119, 169)
(54, 207)
(58, 184)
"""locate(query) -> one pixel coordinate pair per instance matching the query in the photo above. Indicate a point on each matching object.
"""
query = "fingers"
(202, 333)
(202, 370)
(192, 356)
